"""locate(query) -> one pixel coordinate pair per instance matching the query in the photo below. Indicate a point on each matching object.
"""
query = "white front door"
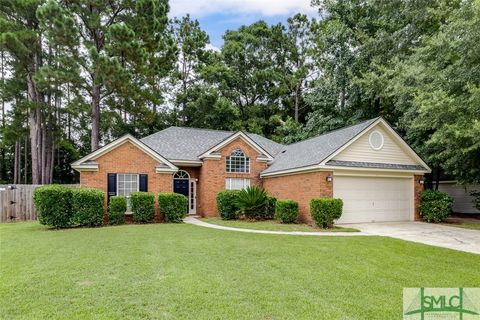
(374, 199)
(192, 197)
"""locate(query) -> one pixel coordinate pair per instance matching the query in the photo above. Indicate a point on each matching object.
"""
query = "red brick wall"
(301, 188)
(126, 158)
(212, 176)
(418, 188)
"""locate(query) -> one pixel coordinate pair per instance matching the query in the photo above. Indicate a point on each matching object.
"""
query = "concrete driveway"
(427, 233)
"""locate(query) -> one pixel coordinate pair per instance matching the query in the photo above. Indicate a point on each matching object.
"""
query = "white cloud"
(201, 8)
(210, 46)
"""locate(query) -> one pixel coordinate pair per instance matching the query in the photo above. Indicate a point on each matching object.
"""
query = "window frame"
(130, 181)
(246, 183)
(232, 161)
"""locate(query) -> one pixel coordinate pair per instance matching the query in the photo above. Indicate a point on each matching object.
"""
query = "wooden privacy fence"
(16, 202)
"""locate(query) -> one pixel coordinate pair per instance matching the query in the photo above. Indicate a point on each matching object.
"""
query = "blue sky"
(217, 16)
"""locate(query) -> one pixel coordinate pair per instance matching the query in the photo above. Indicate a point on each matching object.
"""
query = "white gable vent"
(376, 140)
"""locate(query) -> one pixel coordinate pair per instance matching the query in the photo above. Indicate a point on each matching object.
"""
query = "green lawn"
(465, 225)
(272, 225)
(166, 271)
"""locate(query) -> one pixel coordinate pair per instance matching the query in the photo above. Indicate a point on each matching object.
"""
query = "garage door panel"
(374, 199)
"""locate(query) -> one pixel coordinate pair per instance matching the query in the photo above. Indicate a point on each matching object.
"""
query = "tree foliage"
(80, 73)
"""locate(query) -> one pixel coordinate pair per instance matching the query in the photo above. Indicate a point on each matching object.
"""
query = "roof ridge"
(203, 129)
(335, 130)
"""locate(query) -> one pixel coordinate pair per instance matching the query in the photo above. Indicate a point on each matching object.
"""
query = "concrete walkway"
(427, 233)
(197, 222)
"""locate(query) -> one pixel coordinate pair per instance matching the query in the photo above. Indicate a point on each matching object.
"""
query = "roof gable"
(186, 144)
(315, 153)
(306, 153)
(394, 150)
(87, 163)
(212, 152)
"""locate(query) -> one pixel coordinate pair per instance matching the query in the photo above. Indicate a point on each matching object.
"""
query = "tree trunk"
(437, 178)
(25, 173)
(3, 168)
(17, 164)
(95, 105)
(298, 90)
(34, 120)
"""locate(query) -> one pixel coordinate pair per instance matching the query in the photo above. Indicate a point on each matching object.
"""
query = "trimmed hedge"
(117, 208)
(87, 206)
(173, 206)
(54, 205)
(325, 210)
(227, 204)
(143, 206)
(286, 211)
(436, 206)
(270, 207)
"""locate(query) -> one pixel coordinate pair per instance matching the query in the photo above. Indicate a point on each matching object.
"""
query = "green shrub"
(286, 211)
(143, 206)
(173, 206)
(325, 210)
(227, 204)
(252, 202)
(270, 207)
(476, 198)
(54, 205)
(436, 206)
(117, 208)
(87, 207)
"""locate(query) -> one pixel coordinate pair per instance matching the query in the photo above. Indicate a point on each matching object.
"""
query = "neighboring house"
(462, 199)
(368, 165)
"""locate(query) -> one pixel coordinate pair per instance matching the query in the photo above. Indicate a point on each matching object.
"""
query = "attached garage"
(375, 199)
(368, 165)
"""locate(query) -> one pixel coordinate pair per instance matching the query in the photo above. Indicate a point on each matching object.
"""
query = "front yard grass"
(273, 225)
(179, 271)
(465, 225)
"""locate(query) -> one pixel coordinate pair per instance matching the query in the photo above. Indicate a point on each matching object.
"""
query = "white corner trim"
(120, 141)
(374, 169)
(85, 167)
(315, 167)
(187, 163)
(240, 135)
(407, 148)
(165, 170)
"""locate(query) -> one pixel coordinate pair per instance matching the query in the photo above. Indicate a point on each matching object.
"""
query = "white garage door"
(374, 199)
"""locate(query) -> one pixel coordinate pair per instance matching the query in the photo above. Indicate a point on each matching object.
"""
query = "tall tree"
(299, 59)
(192, 42)
(23, 41)
(105, 42)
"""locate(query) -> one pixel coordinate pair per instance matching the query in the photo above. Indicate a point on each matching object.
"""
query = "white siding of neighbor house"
(391, 152)
(462, 200)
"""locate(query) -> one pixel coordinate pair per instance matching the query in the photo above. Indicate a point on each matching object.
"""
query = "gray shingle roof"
(314, 150)
(178, 143)
(375, 165)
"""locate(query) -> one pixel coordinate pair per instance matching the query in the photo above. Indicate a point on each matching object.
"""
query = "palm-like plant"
(252, 201)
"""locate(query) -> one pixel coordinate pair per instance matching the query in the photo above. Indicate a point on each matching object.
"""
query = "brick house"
(368, 165)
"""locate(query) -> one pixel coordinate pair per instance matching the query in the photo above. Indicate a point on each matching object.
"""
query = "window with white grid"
(126, 184)
(236, 183)
(237, 162)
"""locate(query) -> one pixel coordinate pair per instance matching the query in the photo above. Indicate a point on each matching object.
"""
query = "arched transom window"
(181, 175)
(238, 162)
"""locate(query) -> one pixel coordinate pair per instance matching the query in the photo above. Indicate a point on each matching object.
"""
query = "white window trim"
(138, 185)
(370, 140)
(247, 162)
(245, 182)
